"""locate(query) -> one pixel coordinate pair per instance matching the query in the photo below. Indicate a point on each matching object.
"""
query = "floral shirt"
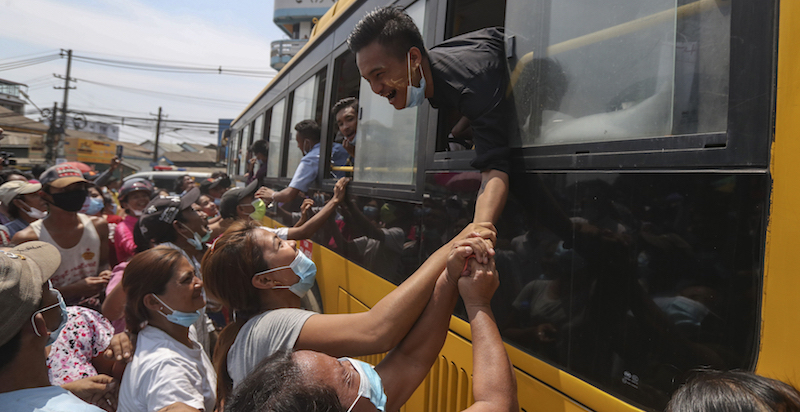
(86, 334)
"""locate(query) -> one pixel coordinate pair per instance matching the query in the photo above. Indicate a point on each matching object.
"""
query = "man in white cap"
(23, 203)
(80, 239)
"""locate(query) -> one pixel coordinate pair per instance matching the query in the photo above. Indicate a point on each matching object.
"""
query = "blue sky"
(198, 32)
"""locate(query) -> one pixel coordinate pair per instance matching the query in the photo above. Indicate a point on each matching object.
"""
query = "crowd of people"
(125, 296)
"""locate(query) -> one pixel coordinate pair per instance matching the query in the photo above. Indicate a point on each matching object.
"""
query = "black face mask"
(70, 201)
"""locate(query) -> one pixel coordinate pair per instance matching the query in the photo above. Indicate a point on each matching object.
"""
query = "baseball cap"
(231, 199)
(14, 188)
(23, 271)
(162, 211)
(61, 176)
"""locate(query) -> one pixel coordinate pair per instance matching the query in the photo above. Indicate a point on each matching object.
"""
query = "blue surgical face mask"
(414, 95)
(370, 385)
(63, 307)
(217, 202)
(370, 211)
(196, 241)
(304, 268)
(177, 317)
(92, 206)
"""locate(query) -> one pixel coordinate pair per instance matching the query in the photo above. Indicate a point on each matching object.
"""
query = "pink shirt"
(123, 238)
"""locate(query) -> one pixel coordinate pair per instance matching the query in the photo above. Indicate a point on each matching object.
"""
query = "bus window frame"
(393, 191)
(745, 143)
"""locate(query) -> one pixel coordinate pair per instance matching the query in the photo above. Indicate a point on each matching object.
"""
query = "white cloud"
(132, 30)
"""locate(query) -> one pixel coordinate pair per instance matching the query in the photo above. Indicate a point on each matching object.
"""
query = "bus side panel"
(780, 333)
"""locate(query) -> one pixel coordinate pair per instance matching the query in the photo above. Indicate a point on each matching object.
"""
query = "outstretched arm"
(406, 366)
(314, 224)
(382, 327)
(493, 382)
(492, 196)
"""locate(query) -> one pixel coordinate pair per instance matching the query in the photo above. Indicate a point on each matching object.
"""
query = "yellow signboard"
(93, 151)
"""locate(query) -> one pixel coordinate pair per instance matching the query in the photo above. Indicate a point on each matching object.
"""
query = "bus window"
(307, 104)
(387, 151)
(464, 16)
(274, 137)
(614, 70)
(344, 105)
(241, 149)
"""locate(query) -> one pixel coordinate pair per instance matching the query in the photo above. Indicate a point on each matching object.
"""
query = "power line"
(18, 64)
(167, 68)
(145, 91)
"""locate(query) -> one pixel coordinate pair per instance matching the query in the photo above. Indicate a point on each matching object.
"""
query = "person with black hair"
(259, 149)
(345, 112)
(308, 141)
(734, 391)
(467, 73)
(311, 380)
(183, 183)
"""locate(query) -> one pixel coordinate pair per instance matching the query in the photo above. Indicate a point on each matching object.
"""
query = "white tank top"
(78, 262)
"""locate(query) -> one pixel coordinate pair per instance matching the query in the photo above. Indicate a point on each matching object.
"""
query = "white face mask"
(34, 212)
(415, 95)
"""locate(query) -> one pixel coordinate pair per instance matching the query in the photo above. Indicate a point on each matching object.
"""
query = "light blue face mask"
(370, 385)
(304, 268)
(63, 306)
(179, 318)
(197, 242)
(414, 95)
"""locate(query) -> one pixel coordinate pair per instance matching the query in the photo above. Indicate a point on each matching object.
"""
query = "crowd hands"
(162, 277)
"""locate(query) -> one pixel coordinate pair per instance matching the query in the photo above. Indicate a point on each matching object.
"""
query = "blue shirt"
(45, 399)
(306, 172)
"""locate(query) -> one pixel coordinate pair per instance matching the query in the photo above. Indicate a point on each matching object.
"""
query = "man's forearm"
(492, 196)
(493, 380)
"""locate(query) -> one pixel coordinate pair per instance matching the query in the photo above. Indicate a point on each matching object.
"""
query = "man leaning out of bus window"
(467, 73)
(307, 137)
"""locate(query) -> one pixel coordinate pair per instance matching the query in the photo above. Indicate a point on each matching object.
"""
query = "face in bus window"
(387, 74)
(347, 122)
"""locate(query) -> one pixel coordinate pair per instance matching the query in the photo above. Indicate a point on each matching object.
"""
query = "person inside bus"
(467, 73)
(259, 150)
(307, 137)
(262, 278)
(345, 112)
(712, 390)
(246, 204)
(289, 381)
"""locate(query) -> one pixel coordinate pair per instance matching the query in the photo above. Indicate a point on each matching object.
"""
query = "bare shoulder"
(24, 235)
(100, 223)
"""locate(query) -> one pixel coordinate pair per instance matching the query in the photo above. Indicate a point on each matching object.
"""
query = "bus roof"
(326, 21)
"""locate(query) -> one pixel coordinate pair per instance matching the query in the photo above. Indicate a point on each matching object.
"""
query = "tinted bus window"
(613, 70)
(275, 134)
(387, 138)
(304, 107)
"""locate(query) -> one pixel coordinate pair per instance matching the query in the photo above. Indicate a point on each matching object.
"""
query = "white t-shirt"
(46, 399)
(78, 262)
(164, 371)
(262, 336)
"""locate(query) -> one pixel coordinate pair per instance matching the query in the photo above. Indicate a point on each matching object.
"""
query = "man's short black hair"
(309, 129)
(259, 147)
(391, 27)
(343, 104)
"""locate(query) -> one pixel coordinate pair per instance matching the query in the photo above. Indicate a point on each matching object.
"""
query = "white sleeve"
(173, 380)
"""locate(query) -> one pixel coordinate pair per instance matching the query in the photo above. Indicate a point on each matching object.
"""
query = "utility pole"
(67, 79)
(50, 139)
(158, 132)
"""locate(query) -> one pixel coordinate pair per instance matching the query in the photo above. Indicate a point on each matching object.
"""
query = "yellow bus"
(652, 218)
